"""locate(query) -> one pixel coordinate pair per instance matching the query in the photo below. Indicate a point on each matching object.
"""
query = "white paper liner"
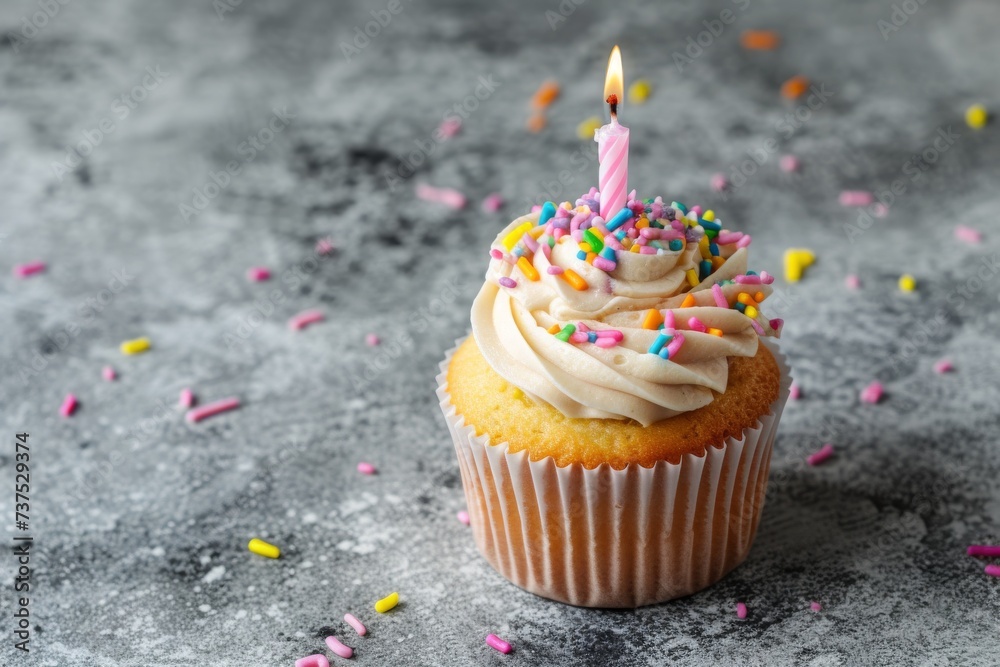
(615, 538)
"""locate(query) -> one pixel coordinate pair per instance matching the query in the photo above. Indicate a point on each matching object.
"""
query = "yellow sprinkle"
(642, 223)
(709, 215)
(652, 319)
(262, 548)
(566, 205)
(387, 603)
(976, 116)
(529, 271)
(574, 280)
(635, 248)
(805, 257)
(515, 235)
(536, 231)
(750, 312)
(688, 301)
(584, 246)
(639, 91)
(586, 129)
(907, 283)
(135, 346)
(692, 277)
(554, 329)
(797, 259)
(714, 331)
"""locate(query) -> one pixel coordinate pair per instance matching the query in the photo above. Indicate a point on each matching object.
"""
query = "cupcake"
(615, 407)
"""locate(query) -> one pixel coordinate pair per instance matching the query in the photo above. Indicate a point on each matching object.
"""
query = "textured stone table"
(140, 520)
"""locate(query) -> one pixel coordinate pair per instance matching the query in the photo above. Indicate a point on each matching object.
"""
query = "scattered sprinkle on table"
(304, 319)
(387, 603)
(317, 660)
(338, 648)
(325, 246)
(536, 122)
(463, 516)
(968, 234)
(212, 409)
(68, 406)
(366, 468)
(639, 91)
(719, 182)
(492, 202)
(795, 87)
(28, 269)
(356, 624)
(135, 346)
(448, 196)
(760, 40)
(907, 283)
(741, 610)
(796, 261)
(372, 340)
(186, 399)
(821, 455)
(449, 127)
(262, 548)
(546, 94)
(976, 116)
(943, 366)
(986, 550)
(585, 130)
(872, 393)
(788, 163)
(258, 274)
(880, 210)
(856, 198)
(993, 570)
(794, 391)
(852, 281)
(816, 606)
(495, 642)
(109, 374)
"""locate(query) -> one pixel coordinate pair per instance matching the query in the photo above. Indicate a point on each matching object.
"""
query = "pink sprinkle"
(766, 278)
(109, 374)
(696, 210)
(605, 342)
(741, 610)
(744, 241)
(872, 393)
(493, 203)
(992, 570)
(816, 606)
(447, 196)
(366, 468)
(725, 237)
(212, 409)
(719, 182)
(338, 648)
(449, 127)
(824, 453)
(496, 254)
(614, 334)
(186, 399)
(258, 274)
(304, 319)
(720, 298)
(757, 327)
(746, 280)
(696, 325)
(29, 269)
(372, 340)
(669, 321)
(983, 550)
(317, 660)
(68, 406)
(356, 624)
(578, 337)
(509, 283)
(794, 392)
(554, 270)
(968, 234)
(777, 324)
(463, 516)
(880, 210)
(496, 643)
(325, 246)
(605, 265)
(943, 366)
(852, 281)
(856, 198)
(788, 163)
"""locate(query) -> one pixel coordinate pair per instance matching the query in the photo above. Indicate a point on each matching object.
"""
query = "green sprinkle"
(594, 239)
(566, 332)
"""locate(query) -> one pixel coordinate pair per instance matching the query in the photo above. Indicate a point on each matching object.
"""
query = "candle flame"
(614, 82)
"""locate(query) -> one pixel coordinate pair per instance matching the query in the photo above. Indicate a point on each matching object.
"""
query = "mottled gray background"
(140, 520)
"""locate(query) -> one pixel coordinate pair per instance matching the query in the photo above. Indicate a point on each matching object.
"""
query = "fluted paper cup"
(615, 538)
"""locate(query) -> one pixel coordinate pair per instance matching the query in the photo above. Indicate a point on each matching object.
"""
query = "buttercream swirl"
(512, 324)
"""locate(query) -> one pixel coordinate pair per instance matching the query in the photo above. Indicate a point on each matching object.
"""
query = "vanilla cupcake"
(615, 408)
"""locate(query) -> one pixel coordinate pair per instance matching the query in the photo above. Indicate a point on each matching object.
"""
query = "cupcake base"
(615, 538)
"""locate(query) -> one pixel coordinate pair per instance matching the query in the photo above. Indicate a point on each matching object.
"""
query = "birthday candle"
(612, 143)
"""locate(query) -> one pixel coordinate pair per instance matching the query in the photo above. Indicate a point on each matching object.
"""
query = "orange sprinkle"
(574, 280)
(590, 257)
(554, 329)
(760, 40)
(688, 301)
(742, 297)
(529, 271)
(794, 87)
(545, 95)
(652, 319)
(717, 262)
(759, 296)
(536, 123)
(714, 331)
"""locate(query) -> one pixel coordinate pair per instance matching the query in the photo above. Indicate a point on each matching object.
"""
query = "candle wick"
(613, 103)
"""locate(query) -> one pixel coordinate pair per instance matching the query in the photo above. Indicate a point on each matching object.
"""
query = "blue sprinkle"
(740, 307)
(706, 268)
(661, 340)
(620, 219)
(517, 251)
(751, 273)
(714, 249)
(591, 337)
(620, 235)
(548, 210)
(664, 353)
(708, 224)
(676, 245)
(679, 206)
(609, 254)
(581, 255)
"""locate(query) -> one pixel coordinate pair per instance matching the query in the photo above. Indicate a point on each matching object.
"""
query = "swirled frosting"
(545, 278)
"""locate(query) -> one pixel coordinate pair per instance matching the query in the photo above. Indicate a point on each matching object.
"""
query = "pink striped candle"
(612, 143)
